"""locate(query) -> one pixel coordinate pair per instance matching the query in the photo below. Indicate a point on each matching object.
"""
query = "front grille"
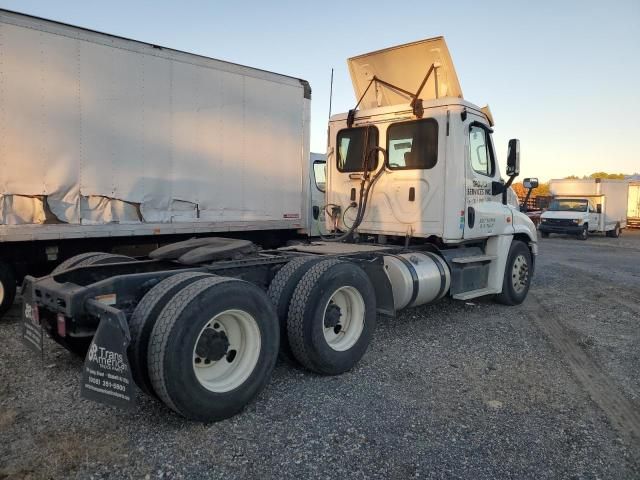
(559, 222)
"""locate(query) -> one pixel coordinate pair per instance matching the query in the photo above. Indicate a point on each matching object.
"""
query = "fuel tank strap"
(414, 277)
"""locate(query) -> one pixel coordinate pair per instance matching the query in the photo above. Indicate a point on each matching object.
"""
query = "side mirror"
(530, 183)
(599, 208)
(513, 158)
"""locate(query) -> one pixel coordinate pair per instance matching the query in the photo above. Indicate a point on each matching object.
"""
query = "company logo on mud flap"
(107, 359)
(31, 314)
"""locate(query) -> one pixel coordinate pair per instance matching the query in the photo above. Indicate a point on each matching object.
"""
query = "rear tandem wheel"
(213, 348)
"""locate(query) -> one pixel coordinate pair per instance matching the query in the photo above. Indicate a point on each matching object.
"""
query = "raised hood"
(405, 67)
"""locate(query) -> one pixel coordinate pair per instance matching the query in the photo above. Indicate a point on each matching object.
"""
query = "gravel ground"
(549, 389)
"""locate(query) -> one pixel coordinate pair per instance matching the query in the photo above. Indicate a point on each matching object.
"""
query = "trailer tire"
(72, 261)
(280, 292)
(332, 341)
(192, 367)
(517, 275)
(143, 320)
(584, 233)
(7, 287)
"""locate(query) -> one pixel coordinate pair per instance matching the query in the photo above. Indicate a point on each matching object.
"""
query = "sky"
(562, 76)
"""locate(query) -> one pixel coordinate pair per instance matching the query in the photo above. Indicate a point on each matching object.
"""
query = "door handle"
(316, 212)
(471, 217)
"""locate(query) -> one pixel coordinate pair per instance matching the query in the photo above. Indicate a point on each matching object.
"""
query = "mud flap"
(106, 374)
(32, 333)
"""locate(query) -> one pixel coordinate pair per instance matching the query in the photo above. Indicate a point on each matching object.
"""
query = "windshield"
(568, 205)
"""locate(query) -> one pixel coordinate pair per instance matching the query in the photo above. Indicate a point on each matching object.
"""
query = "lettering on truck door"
(485, 215)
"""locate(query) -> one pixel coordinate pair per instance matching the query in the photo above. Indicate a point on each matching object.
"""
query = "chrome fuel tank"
(417, 278)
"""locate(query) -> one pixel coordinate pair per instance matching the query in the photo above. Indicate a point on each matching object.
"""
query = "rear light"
(35, 314)
(62, 325)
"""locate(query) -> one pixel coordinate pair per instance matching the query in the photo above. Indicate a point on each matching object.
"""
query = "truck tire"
(73, 261)
(144, 318)
(332, 317)
(7, 287)
(280, 292)
(213, 348)
(517, 275)
(616, 232)
(584, 233)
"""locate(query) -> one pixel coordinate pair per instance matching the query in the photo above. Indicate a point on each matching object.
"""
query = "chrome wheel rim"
(343, 318)
(520, 273)
(226, 351)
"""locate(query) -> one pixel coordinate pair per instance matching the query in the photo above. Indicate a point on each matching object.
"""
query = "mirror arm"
(506, 188)
(523, 207)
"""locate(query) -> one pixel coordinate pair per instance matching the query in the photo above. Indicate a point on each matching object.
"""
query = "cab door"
(594, 216)
(318, 201)
(484, 215)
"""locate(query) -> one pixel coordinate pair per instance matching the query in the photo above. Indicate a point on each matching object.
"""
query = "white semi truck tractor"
(415, 209)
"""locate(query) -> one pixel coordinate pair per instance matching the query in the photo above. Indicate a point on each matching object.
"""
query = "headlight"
(577, 221)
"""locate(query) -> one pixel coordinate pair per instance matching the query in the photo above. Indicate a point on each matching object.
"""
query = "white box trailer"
(586, 206)
(109, 138)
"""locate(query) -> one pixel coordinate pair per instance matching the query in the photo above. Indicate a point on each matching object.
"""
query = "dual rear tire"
(204, 345)
(327, 313)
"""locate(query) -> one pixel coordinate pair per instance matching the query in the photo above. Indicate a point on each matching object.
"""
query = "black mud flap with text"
(32, 333)
(106, 375)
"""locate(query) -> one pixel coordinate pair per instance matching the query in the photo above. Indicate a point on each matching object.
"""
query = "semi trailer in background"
(583, 207)
(116, 145)
(414, 204)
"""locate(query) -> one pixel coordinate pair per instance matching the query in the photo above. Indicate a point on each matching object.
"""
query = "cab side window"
(413, 145)
(320, 174)
(480, 151)
(354, 145)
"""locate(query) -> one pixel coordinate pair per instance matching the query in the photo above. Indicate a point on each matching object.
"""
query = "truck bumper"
(560, 229)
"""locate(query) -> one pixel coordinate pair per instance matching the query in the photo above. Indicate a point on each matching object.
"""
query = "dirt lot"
(550, 389)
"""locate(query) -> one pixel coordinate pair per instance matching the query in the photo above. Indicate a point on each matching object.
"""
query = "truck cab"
(571, 215)
(429, 159)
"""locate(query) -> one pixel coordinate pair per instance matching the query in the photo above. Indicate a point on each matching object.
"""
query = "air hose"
(366, 186)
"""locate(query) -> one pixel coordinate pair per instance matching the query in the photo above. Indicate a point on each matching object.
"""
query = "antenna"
(330, 94)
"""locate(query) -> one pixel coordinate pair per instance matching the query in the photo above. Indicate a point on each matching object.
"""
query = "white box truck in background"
(127, 144)
(582, 207)
(633, 208)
